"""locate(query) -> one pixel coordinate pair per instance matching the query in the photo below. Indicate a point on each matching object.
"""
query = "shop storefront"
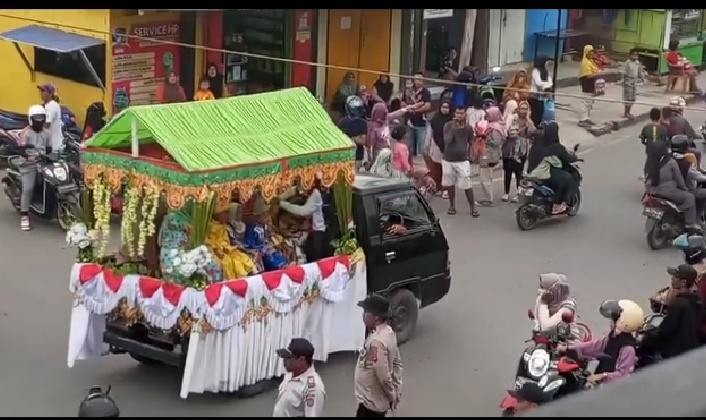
(34, 54)
(651, 30)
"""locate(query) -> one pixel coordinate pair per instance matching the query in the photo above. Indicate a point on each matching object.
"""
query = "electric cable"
(77, 30)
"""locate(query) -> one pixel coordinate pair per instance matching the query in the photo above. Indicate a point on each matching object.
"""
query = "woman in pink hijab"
(379, 128)
(493, 139)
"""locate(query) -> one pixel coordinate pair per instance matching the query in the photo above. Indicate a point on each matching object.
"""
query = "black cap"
(298, 347)
(376, 305)
(529, 391)
(684, 272)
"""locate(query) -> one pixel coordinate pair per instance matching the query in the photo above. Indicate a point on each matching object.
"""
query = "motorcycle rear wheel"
(525, 219)
(575, 205)
(656, 237)
(67, 214)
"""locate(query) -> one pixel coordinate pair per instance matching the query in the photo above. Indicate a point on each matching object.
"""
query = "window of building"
(257, 31)
(442, 35)
(70, 66)
(686, 23)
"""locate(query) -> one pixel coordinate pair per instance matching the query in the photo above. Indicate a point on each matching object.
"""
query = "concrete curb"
(644, 116)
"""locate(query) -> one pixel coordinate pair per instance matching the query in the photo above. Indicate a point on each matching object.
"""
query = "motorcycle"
(537, 199)
(489, 89)
(664, 221)
(647, 356)
(540, 363)
(11, 124)
(56, 194)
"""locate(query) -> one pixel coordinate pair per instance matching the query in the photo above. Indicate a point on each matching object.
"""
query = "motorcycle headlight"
(538, 363)
(60, 174)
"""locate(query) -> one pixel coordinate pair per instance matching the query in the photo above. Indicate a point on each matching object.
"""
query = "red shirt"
(672, 58)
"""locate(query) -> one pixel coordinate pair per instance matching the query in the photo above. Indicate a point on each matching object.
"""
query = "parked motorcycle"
(56, 194)
(490, 88)
(537, 199)
(540, 363)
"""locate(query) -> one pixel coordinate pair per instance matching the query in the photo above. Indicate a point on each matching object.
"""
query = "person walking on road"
(632, 75)
(493, 139)
(301, 393)
(378, 372)
(456, 165)
(514, 151)
(588, 70)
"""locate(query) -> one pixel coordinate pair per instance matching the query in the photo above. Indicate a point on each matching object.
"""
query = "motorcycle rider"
(554, 300)
(679, 125)
(679, 332)
(548, 146)
(681, 150)
(98, 404)
(616, 350)
(665, 179)
(36, 137)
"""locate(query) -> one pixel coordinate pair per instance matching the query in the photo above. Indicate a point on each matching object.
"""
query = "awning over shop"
(53, 40)
(50, 38)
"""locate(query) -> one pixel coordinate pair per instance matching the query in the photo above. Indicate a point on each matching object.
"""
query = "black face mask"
(37, 125)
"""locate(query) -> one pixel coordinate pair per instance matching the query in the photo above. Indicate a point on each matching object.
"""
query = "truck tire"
(145, 360)
(405, 311)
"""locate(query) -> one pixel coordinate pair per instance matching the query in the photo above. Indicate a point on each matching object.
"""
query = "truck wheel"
(144, 360)
(405, 311)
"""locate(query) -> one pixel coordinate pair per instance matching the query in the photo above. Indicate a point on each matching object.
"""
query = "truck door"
(416, 253)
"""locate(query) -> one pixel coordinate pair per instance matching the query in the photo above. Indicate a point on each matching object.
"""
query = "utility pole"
(469, 31)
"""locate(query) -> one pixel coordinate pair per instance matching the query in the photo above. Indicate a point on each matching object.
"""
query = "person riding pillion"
(35, 139)
(378, 372)
(554, 301)
(615, 351)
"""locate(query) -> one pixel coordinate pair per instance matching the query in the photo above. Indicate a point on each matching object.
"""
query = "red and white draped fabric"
(251, 317)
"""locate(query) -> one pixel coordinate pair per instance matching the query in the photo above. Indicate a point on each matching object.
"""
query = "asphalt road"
(466, 347)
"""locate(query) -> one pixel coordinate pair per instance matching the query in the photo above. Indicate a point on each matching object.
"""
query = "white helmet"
(36, 112)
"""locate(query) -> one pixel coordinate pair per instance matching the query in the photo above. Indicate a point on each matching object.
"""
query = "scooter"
(56, 194)
(537, 199)
(558, 376)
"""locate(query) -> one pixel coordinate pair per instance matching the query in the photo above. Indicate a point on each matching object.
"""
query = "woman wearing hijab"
(215, 80)
(393, 161)
(510, 113)
(171, 92)
(560, 180)
(554, 300)
(379, 128)
(664, 178)
(524, 123)
(539, 84)
(383, 89)
(518, 88)
(494, 137)
(347, 87)
(435, 140)
(587, 76)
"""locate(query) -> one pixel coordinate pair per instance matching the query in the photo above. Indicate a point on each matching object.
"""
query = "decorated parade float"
(211, 271)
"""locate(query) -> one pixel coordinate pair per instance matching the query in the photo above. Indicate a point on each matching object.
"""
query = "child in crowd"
(204, 93)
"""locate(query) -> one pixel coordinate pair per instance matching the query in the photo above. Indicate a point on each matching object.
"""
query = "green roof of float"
(210, 135)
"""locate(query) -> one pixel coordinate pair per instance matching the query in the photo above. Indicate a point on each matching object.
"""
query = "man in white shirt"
(48, 92)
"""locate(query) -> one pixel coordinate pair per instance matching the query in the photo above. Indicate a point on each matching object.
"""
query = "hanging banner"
(438, 13)
(141, 64)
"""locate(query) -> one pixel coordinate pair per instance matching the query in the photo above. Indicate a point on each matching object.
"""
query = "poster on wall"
(438, 13)
(141, 64)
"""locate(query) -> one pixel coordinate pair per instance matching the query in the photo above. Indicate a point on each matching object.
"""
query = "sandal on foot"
(475, 214)
(451, 211)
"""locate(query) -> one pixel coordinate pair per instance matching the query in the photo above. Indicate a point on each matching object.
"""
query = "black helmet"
(694, 255)
(355, 107)
(98, 404)
(680, 143)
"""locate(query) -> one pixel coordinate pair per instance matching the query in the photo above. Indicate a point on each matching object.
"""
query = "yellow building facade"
(120, 63)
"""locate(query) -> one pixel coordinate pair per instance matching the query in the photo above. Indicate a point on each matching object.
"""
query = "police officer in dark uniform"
(98, 403)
